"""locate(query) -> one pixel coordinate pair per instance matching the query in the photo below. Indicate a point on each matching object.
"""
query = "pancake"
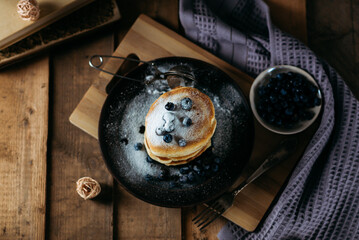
(197, 135)
(177, 161)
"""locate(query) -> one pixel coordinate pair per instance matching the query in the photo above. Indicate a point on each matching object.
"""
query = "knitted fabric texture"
(321, 199)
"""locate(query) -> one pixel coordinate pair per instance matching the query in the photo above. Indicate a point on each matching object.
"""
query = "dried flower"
(28, 10)
(88, 188)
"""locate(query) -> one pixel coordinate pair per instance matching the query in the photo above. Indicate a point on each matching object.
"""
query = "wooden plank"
(74, 154)
(290, 16)
(23, 138)
(136, 219)
(335, 36)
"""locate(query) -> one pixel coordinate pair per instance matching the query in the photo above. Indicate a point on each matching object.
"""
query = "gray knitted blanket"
(321, 199)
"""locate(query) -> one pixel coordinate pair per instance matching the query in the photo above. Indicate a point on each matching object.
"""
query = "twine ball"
(28, 10)
(88, 188)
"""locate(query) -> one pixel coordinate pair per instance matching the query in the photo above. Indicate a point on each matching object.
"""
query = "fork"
(218, 206)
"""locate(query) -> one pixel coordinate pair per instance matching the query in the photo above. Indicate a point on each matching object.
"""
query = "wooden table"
(42, 154)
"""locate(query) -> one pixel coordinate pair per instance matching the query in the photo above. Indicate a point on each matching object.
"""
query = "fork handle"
(282, 152)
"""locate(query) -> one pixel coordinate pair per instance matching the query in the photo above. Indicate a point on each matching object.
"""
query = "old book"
(13, 28)
(85, 20)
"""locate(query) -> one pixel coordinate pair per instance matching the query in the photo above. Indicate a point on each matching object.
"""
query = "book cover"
(13, 28)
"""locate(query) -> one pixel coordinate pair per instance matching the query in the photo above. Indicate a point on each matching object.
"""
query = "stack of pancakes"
(197, 136)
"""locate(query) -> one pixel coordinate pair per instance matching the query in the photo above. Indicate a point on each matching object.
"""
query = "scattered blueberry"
(138, 146)
(197, 168)
(206, 167)
(148, 177)
(149, 159)
(215, 168)
(163, 174)
(183, 178)
(170, 106)
(217, 160)
(184, 170)
(124, 140)
(142, 129)
(186, 103)
(191, 177)
(187, 121)
(182, 142)
(167, 138)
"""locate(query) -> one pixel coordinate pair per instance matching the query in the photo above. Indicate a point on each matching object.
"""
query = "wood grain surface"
(74, 154)
(59, 81)
(23, 135)
(333, 28)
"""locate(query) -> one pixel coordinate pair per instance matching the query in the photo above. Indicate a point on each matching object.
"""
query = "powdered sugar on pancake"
(202, 119)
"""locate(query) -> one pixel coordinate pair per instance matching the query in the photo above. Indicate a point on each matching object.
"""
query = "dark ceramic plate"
(121, 127)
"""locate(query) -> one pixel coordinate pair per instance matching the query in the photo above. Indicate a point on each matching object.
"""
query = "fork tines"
(208, 215)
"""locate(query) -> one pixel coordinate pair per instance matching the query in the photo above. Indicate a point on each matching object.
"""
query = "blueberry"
(289, 111)
(316, 101)
(280, 76)
(217, 160)
(167, 138)
(187, 121)
(313, 88)
(184, 170)
(170, 106)
(283, 92)
(284, 104)
(261, 91)
(215, 168)
(206, 167)
(148, 177)
(186, 104)
(197, 168)
(142, 129)
(149, 159)
(271, 118)
(273, 98)
(183, 179)
(182, 143)
(303, 98)
(124, 140)
(138, 146)
(191, 177)
(163, 175)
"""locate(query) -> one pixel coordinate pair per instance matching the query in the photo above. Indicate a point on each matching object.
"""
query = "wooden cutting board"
(149, 40)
